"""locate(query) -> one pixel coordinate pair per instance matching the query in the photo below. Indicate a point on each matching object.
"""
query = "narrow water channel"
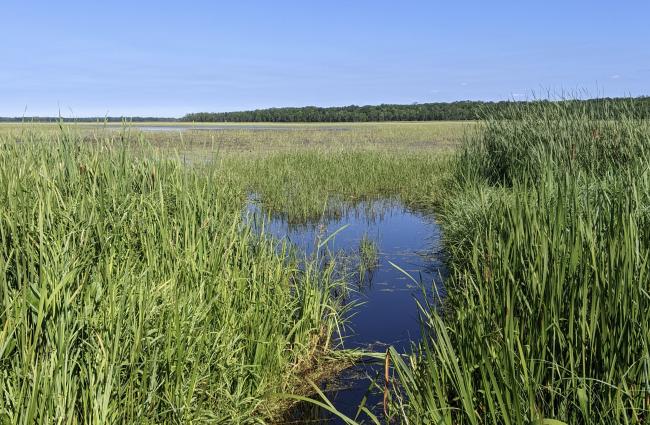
(387, 313)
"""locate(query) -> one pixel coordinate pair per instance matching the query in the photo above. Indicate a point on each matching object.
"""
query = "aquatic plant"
(309, 185)
(368, 256)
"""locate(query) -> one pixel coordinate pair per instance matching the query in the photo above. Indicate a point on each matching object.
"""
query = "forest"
(441, 111)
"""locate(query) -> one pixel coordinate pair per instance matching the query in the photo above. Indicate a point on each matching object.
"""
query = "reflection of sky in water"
(389, 314)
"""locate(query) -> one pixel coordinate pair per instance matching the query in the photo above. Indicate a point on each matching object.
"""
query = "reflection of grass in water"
(355, 266)
(335, 212)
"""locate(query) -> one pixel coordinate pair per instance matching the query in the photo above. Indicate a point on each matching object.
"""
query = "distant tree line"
(452, 111)
(441, 111)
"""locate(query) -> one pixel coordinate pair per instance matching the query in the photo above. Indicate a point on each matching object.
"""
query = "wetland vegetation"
(133, 288)
(545, 318)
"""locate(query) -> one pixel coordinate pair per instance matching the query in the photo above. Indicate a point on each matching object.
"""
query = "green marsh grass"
(132, 291)
(311, 184)
(269, 137)
(368, 251)
(546, 317)
(368, 257)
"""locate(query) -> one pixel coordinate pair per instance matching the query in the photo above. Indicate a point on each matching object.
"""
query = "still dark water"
(387, 313)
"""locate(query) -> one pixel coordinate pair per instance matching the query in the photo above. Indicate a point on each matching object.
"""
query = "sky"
(164, 58)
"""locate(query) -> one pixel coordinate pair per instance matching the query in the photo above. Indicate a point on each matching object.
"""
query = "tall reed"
(131, 290)
(546, 317)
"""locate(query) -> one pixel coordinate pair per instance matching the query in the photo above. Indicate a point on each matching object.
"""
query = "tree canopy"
(440, 111)
(451, 111)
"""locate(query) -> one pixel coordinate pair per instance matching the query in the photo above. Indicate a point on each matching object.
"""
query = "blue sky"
(167, 58)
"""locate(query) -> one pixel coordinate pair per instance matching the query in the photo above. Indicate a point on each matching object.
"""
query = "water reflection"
(388, 313)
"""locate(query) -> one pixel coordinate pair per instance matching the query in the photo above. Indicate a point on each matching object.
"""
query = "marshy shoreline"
(133, 290)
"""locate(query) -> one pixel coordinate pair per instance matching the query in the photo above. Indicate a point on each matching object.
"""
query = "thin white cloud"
(615, 76)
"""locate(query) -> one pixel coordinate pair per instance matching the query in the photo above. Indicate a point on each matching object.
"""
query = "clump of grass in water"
(368, 257)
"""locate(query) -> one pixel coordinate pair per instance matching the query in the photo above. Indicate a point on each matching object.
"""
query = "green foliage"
(131, 291)
(306, 185)
(464, 110)
(529, 139)
(545, 319)
(368, 255)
